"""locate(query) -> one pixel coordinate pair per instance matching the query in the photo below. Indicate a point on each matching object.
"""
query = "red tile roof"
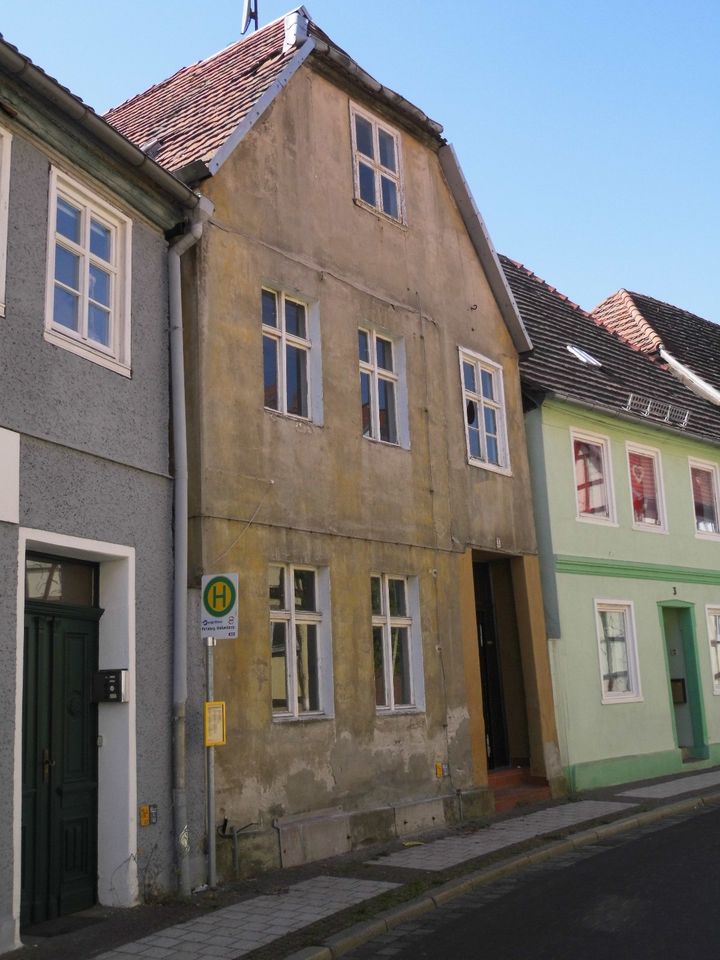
(555, 323)
(190, 115)
(648, 324)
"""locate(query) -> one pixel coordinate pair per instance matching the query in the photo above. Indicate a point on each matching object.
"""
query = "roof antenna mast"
(249, 15)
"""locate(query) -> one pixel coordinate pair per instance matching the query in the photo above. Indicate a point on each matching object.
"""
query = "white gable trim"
(475, 226)
(691, 380)
(249, 121)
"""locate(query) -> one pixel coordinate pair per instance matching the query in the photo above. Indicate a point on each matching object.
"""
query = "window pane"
(363, 346)
(704, 499)
(390, 198)
(69, 219)
(384, 353)
(590, 479)
(364, 136)
(269, 308)
(488, 387)
(295, 318)
(306, 653)
(270, 372)
(471, 412)
(376, 596)
(386, 409)
(469, 377)
(304, 581)
(67, 267)
(613, 652)
(644, 489)
(365, 404)
(60, 581)
(99, 289)
(99, 324)
(379, 664)
(367, 184)
(100, 241)
(396, 592)
(278, 668)
(493, 450)
(65, 309)
(400, 666)
(296, 371)
(276, 588)
(387, 150)
(490, 418)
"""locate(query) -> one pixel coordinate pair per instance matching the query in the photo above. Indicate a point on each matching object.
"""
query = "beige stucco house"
(357, 453)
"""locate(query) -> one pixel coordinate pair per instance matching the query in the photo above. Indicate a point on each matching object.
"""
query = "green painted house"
(625, 460)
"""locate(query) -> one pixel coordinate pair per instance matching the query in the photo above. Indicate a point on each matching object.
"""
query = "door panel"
(59, 764)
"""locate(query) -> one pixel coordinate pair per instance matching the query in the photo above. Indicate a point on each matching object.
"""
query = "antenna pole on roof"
(249, 15)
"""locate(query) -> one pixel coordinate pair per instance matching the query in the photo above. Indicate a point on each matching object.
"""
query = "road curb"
(341, 943)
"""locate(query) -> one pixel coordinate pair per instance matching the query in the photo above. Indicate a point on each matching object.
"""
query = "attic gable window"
(376, 164)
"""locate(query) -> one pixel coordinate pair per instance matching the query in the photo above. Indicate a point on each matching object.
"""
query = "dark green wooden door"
(59, 824)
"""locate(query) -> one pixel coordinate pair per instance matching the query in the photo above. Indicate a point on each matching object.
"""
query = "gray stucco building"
(86, 502)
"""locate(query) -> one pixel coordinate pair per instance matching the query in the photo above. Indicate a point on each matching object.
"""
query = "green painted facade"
(670, 579)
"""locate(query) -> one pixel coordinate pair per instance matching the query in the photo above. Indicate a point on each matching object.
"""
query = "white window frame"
(310, 344)
(653, 454)
(603, 442)
(5, 161)
(626, 607)
(116, 356)
(412, 623)
(374, 163)
(712, 469)
(320, 618)
(396, 376)
(712, 613)
(483, 364)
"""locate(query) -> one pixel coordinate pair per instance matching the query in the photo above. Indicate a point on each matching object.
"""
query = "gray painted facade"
(95, 483)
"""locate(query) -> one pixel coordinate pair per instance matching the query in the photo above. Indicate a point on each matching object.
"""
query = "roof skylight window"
(583, 356)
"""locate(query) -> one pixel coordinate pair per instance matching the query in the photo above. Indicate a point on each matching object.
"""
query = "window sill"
(292, 417)
(381, 215)
(630, 698)
(703, 535)
(491, 467)
(598, 521)
(649, 528)
(398, 711)
(301, 718)
(387, 443)
(81, 349)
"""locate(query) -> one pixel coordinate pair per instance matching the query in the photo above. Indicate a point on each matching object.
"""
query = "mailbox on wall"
(110, 686)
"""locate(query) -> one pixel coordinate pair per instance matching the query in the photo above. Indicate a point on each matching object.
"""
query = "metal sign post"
(218, 619)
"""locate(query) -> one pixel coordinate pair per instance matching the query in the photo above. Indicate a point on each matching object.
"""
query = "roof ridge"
(548, 286)
(647, 336)
(672, 306)
(198, 63)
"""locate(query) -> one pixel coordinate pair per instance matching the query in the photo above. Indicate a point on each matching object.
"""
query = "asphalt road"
(653, 893)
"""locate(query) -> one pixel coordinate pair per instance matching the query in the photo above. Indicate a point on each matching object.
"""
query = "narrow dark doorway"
(60, 731)
(496, 739)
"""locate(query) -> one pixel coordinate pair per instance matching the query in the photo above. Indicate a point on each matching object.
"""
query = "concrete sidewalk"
(323, 910)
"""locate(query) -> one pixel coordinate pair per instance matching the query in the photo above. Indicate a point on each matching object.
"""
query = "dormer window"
(376, 164)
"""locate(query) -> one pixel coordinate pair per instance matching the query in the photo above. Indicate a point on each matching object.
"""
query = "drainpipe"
(180, 516)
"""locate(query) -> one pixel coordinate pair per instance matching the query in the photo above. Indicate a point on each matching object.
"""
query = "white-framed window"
(292, 361)
(705, 486)
(396, 639)
(713, 620)
(301, 676)
(593, 477)
(5, 159)
(646, 488)
(484, 411)
(376, 164)
(88, 282)
(383, 395)
(617, 647)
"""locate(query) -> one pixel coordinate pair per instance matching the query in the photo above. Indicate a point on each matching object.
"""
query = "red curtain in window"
(644, 488)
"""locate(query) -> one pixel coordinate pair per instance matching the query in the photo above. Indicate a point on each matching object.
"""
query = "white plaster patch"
(9, 476)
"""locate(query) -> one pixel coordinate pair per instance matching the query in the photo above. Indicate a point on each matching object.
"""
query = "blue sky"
(588, 131)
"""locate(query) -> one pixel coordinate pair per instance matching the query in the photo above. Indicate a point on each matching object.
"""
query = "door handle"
(47, 764)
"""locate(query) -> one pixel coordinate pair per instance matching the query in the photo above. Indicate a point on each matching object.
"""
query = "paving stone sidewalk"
(264, 922)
